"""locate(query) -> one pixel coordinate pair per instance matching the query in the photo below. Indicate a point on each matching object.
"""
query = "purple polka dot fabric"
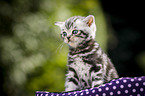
(119, 87)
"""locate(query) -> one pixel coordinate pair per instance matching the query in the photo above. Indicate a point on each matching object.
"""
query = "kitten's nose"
(68, 38)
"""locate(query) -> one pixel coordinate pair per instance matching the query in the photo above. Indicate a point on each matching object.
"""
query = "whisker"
(60, 47)
(66, 51)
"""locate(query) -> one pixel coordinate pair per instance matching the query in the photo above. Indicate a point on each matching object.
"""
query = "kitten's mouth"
(71, 41)
(72, 44)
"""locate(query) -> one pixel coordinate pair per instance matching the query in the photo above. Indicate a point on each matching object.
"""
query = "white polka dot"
(114, 87)
(113, 80)
(97, 95)
(99, 89)
(69, 93)
(139, 79)
(118, 92)
(132, 80)
(110, 83)
(136, 84)
(127, 78)
(82, 94)
(138, 95)
(111, 93)
(133, 90)
(121, 86)
(87, 92)
(104, 94)
(93, 91)
(144, 83)
(141, 89)
(129, 85)
(126, 91)
(124, 81)
(120, 78)
(103, 85)
(76, 95)
(117, 82)
(107, 88)
(91, 88)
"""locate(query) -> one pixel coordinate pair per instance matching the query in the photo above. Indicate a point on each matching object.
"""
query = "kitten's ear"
(59, 24)
(89, 20)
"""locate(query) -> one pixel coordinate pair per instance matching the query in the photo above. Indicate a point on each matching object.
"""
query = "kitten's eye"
(64, 34)
(74, 31)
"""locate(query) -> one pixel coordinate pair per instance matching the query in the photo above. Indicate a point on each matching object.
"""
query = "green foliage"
(34, 54)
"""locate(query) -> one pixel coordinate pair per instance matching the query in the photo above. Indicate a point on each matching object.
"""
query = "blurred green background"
(32, 55)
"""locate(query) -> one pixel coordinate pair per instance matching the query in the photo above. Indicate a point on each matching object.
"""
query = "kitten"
(88, 66)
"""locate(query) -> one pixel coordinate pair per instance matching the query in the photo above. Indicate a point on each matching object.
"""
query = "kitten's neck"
(82, 47)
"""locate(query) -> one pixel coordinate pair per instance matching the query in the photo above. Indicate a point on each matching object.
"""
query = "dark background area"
(127, 20)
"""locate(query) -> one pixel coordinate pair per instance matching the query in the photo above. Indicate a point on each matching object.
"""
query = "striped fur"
(88, 66)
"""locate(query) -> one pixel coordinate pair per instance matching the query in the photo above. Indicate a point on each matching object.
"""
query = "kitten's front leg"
(69, 86)
(71, 82)
(97, 77)
(97, 83)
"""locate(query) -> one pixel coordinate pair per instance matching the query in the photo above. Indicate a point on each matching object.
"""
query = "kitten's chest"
(81, 67)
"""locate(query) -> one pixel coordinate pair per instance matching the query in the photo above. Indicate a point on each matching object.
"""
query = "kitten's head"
(77, 29)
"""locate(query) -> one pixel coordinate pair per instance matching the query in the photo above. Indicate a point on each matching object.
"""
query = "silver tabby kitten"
(88, 66)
